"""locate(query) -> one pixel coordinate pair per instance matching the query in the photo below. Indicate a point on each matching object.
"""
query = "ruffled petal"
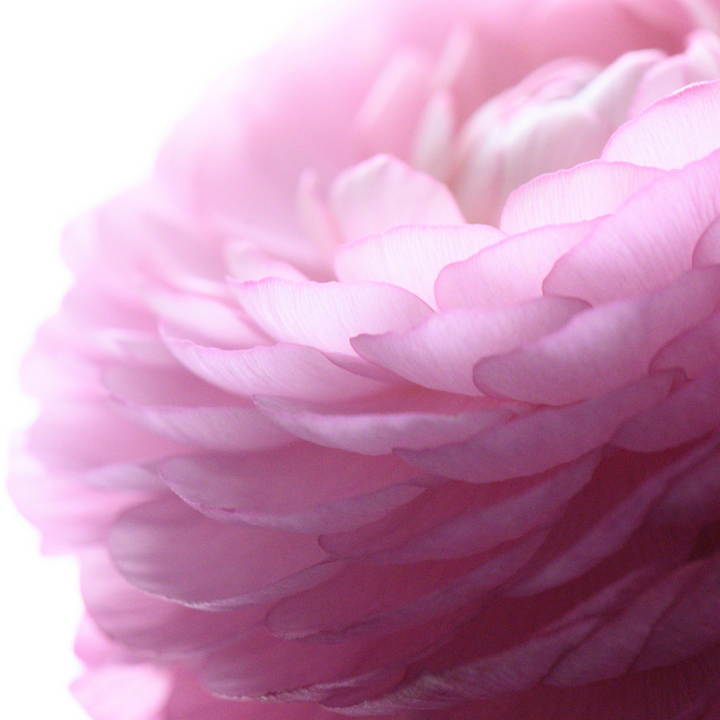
(542, 439)
(602, 348)
(648, 242)
(585, 192)
(302, 487)
(163, 547)
(293, 371)
(327, 315)
(671, 133)
(512, 271)
(383, 193)
(441, 352)
(412, 257)
(377, 426)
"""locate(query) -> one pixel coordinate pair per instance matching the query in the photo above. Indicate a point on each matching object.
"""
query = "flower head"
(395, 389)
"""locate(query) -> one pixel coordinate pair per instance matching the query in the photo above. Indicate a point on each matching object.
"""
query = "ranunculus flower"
(396, 389)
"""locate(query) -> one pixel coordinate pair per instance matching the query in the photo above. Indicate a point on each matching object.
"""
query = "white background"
(88, 91)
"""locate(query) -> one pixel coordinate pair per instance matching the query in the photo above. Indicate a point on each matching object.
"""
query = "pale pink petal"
(163, 548)
(176, 404)
(225, 429)
(293, 371)
(376, 426)
(85, 435)
(411, 257)
(245, 261)
(300, 487)
(611, 92)
(69, 511)
(441, 352)
(205, 320)
(327, 315)
(383, 193)
(602, 348)
(700, 62)
(433, 138)
(671, 133)
(390, 112)
(124, 691)
(511, 271)
(510, 138)
(314, 215)
(540, 440)
(648, 242)
(587, 191)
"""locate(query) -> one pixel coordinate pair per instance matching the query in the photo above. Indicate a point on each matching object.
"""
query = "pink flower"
(396, 389)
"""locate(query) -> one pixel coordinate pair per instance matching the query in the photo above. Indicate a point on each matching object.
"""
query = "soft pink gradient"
(394, 390)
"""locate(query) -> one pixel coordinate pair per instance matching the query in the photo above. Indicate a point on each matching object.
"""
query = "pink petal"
(392, 537)
(508, 670)
(143, 622)
(671, 133)
(85, 435)
(522, 133)
(383, 193)
(483, 527)
(381, 598)
(693, 497)
(264, 665)
(509, 272)
(412, 257)
(648, 242)
(224, 429)
(602, 348)
(599, 522)
(693, 352)
(293, 371)
(300, 487)
(162, 547)
(377, 426)
(176, 404)
(612, 649)
(707, 250)
(315, 216)
(584, 192)
(543, 439)
(441, 352)
(327, 315)
(689, 413)
(690, 627)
